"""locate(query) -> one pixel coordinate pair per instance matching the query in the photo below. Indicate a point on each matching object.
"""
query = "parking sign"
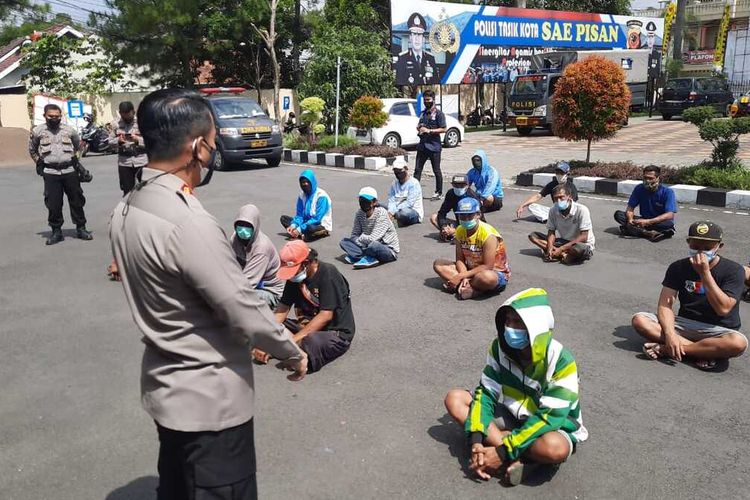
(286, 102)
(75, 109)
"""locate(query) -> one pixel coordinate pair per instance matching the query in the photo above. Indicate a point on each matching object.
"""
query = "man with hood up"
(314, 217)
(257, 255)
(486, 182)
(526, 409)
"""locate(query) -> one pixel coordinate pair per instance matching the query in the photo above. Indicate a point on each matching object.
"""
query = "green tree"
(312, 113)
(367, 112)
(71, 67)
(723, 134)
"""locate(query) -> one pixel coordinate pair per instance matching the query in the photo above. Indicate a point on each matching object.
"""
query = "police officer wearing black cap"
(415, 66)
(54, 148)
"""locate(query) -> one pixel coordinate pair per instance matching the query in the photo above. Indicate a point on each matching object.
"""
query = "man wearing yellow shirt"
(481, 264)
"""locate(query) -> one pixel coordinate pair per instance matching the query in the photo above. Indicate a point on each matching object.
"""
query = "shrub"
(591, 101)
(327, 142)
(705, 174)
(295, 141)
(367, 113)
(370, 150)
(723, 134)
(312, 113)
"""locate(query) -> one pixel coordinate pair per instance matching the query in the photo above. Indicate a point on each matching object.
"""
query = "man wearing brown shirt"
(198, 315)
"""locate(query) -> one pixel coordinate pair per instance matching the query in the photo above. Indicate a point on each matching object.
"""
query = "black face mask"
(400, 176)
(306, 187)
(477, 163)
(53, 122)
(365, 205)
(428, 104)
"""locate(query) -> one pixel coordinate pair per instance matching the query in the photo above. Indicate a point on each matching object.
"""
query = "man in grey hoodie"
(257, 255)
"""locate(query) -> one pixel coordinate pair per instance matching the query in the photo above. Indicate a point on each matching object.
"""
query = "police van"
(529, 101)
(243, 130)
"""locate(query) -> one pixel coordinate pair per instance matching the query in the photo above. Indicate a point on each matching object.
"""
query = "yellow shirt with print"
(471, 247)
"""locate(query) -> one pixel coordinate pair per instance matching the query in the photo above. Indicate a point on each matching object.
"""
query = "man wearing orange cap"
(324, 326)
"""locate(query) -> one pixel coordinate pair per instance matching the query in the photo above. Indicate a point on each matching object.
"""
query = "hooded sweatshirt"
(315, 209)
(544, 396)
(259, 259)
(487, 182)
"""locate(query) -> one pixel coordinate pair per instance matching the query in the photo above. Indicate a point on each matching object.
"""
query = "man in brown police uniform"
(54, 148)
(131, 151)
(415, 66)
(197, 312)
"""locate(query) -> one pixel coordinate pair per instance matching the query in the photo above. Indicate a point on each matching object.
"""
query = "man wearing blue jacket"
(486, 182)
(314, 217)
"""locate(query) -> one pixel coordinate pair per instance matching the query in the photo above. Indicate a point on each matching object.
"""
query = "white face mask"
(460, 191)
(561, 178)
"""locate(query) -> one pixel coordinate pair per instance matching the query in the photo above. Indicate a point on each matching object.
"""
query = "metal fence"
(739, 87)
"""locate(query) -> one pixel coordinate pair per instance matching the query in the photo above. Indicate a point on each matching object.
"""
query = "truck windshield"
(236, 108)
(530, 84)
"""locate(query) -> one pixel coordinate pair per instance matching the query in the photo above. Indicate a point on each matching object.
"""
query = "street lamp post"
(338, 93)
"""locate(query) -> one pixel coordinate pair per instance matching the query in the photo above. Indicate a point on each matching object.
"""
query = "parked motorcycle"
(96, 140)
(475, 117)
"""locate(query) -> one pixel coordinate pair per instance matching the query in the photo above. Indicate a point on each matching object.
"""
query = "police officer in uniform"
(415, 66)
(197, 312)
(131, 150)
(54, 148)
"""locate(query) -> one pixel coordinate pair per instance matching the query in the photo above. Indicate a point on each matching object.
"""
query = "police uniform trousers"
(215, 465)
(70, 185)
(128, 177)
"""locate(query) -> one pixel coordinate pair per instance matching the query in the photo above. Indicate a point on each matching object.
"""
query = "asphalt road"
(372, 424)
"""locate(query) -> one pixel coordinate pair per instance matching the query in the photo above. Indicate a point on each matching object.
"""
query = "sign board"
(286, 103)
(444, 43)
(42, 100)
(75, 109)
(699, 57)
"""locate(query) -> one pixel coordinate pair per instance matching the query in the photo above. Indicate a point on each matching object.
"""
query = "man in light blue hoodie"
(486, 182)
(314, 217)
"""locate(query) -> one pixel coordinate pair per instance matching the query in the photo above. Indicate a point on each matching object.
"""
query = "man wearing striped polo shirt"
(373, 240)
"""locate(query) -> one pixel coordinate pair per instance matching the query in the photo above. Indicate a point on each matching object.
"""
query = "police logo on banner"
(444, 36)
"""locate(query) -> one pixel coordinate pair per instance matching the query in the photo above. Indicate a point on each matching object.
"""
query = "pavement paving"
(372, 424)
(644, 141)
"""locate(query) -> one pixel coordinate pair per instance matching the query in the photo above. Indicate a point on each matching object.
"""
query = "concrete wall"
(14, 111)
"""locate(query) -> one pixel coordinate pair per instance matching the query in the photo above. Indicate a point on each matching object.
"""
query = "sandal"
(518, 471)
(706, 365)
(465, 292)
(652, 350)
(746, 295)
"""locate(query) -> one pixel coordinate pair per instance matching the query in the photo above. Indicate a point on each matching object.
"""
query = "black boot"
(83, 234)
(55, 237)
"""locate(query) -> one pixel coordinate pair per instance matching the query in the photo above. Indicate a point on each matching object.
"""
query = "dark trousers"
(128, 178)
(217, 465)
(321, 347)
(497, 204)
(312, 232)
(662, 227)
(434, 157)
(54, 188)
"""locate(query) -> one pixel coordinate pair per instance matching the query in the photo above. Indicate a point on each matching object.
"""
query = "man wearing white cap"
(373, 240)
(405, 196)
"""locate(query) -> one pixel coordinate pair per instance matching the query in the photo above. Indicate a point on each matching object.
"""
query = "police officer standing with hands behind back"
(198, 314)
(54, 148)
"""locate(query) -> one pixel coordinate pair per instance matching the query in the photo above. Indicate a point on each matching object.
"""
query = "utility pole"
(679, 25)
(338, 93)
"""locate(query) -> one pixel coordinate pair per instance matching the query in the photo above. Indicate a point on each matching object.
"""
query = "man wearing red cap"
(324, 326)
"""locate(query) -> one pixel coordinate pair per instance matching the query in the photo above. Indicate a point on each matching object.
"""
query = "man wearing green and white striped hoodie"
(526, 408)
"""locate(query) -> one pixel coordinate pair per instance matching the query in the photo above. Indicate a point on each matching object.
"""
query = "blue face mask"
(516, 338)
(710, 254)
(244, 233)
(563, 205)
(460, 191)
(469, 224)
(299, 277)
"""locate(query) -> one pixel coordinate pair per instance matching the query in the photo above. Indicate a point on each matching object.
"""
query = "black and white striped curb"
(339, 160)
(684, 193)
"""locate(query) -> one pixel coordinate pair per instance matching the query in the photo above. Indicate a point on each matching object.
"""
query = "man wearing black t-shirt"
(541, 212)
(709, 288)
(440, 220)
(324, 324)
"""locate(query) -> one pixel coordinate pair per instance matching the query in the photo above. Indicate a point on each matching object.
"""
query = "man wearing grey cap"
(440, 220)
(541, 212)
(709, 287)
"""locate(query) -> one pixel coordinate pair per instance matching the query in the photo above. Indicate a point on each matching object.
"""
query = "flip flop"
(706, 365)
(465, 293)
(746, 295)
(652, 350)
(518, 471)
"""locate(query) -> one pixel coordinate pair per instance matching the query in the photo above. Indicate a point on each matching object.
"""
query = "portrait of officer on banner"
(416, 66)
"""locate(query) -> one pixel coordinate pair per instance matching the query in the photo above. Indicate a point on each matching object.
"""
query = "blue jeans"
(406, 217)
(375, 250)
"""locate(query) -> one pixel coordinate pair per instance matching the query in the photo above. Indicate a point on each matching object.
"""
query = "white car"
(401, 128)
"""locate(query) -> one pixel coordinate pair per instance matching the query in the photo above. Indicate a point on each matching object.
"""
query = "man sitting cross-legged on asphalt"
(481, 264)
(440, 220)
(486, 182)
(709, 288)
(373, 240)
(313, 217)
(526, 409)
(570, 235)
(324, 326)
(658, 207)
(540, 212)
(405, 196)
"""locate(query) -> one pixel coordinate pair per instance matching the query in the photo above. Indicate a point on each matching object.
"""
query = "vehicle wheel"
(274, 162)
(392, 140)
(220, 163)
(666, 116)
(524, 131)
(452, 138)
